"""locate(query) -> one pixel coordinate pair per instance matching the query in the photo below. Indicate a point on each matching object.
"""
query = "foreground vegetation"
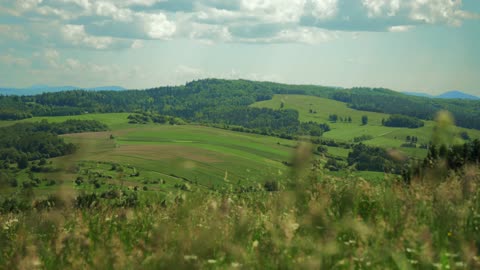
(314, 221)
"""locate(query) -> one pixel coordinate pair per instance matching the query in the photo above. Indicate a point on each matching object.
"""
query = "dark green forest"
(32, 141)
(398, 120)
(226, 101)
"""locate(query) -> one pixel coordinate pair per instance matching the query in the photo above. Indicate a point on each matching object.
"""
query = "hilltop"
(39, 89)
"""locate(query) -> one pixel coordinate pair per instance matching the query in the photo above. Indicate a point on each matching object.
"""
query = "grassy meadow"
(387, 137)
(204, 157)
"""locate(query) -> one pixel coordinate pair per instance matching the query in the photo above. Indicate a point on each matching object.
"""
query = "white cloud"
(84, 4)
(400, 28)
(48, 11)
(437, 11)
(157, 26)
(323, 9)
(76, 35)
(209, 33)
(27, 4)
(137, 44)
(381, 7)
(108, 9)
(104, 24)
(279, 11)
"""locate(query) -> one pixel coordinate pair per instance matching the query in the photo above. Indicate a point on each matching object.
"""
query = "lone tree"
(22, 162)
(364, 120)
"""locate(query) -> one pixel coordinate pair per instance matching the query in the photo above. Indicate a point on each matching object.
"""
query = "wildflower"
(10, 223)
(255, 244)
(409, 250)
(190, 257)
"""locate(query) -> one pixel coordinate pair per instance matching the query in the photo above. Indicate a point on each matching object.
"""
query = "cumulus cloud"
(76, 35)
(157, 26)
(104, 24)
(381, 7)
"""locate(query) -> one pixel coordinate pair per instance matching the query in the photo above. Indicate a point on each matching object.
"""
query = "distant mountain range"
(446, 95)
(38, 89)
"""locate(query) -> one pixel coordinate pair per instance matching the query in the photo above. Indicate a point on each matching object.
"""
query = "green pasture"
(382, 136)
(205, 156)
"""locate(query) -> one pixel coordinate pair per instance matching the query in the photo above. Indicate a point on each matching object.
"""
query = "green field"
(203, 155)
(387, 137)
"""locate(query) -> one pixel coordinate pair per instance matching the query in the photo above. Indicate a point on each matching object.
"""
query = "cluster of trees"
(335, 118)
(398, 120)
(362, 138)
(334, 164)
(332, 143)
(19, 145)
(445, 158)
(411, 141)
(9, 114)
(22, 142)
(313, 129)
(369, 158)
(148, 117)
(456, 156)
(263, 119)
(69, 126)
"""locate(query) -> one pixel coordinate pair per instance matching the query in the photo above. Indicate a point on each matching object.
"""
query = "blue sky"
(407, 45)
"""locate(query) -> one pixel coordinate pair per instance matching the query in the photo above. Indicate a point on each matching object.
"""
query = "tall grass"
(323, 223)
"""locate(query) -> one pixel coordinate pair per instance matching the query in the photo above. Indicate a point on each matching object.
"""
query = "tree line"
(22, 142)
(223, 101)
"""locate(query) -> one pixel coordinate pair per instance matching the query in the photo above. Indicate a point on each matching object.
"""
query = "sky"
(429, 46)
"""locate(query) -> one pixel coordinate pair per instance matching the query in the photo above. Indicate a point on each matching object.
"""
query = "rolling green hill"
(207, 156)
(383, 136)
(199, 155)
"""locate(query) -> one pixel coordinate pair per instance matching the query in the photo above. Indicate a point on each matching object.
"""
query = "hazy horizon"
(416, 45)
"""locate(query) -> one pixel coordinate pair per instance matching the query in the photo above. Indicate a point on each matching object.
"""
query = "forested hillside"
(466, 112)
(226, 101)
